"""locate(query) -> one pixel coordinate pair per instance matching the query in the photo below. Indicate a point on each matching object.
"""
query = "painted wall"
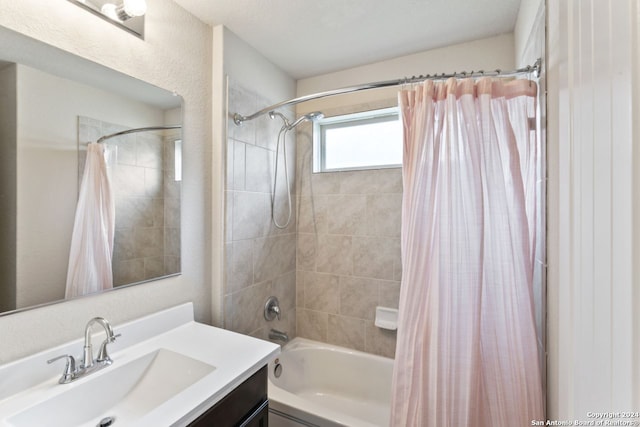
(348, 240)
(526, 34)
(487, 54)
(592, 202)
(175, 55)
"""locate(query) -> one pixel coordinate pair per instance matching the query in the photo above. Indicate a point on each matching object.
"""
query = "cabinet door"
(259, 419)
(238, 407)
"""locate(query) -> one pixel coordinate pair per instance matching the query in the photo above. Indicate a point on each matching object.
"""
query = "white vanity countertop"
(30, 381)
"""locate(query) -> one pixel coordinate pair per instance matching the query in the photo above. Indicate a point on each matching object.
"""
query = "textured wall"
(175, 55)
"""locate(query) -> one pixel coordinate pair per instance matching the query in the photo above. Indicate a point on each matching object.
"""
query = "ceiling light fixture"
(131, 8)
(127, 10)
(110, 10)
(126, 14)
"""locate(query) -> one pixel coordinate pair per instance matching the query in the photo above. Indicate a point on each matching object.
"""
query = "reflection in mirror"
(47, 117)
(142, 167)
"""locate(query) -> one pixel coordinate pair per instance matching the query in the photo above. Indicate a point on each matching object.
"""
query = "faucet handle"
(69, 369)
(272, 308)
(103, 356)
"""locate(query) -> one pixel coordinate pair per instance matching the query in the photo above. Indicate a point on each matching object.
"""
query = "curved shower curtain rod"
(136, 130)
(238, 119)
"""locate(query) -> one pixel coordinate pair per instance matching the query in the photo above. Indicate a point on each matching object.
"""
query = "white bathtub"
(327, 386)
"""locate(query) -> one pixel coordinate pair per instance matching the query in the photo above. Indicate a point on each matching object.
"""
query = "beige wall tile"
(263, 257)
(259, 169)
(228, 166)
(149, 242)
(248, 215)
(240, 267)
(334, 255)
(346, 214)
(388, 293)
(284, 288)
(248, 312)
(172, 188)
(374, 256)
(172, 265)
(172, 242)
(306, 252)
(129, 180)
(300, 289)
(321, 292)
(172, 212)
(239, 165)
(228, 215)
(149, 150)
(374, 181)
(312, 214)
(384, 214)
(128, 271)
(153, 267)
(346, 331)
(153, 185)
(312, 325)
(380, 341)
(281, 212)
(324, 183)
(273, 256)
(358, 297)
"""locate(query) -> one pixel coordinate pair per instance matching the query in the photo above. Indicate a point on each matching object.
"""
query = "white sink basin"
(167, 371)
(126, 393)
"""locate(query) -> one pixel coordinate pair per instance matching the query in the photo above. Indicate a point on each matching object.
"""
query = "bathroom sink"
(122, 394)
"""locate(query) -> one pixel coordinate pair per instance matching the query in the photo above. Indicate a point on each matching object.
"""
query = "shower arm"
(136, 130)
(534, 69)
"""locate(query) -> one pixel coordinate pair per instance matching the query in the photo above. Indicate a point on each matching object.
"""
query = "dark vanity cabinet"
(245, 406)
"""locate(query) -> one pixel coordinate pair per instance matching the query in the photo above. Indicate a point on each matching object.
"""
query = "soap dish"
(386, 318)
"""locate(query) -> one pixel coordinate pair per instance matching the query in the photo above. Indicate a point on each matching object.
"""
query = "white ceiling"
(311, 37)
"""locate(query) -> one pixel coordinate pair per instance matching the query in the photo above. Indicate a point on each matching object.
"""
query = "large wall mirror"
(52, 104)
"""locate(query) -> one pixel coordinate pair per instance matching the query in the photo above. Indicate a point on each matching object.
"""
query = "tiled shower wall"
(147, 235)
(260, 259)
(348, 250)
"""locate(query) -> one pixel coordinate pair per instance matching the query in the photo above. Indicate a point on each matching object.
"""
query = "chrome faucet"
(88, 365)
(103, 356)
(275, 334)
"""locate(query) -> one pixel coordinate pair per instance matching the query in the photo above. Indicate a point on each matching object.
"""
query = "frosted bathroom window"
(366, 140)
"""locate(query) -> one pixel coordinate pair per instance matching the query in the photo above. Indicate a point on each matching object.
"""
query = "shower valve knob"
(272, 308)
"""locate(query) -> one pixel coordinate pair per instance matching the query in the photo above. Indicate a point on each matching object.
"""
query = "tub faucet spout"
(275, 334)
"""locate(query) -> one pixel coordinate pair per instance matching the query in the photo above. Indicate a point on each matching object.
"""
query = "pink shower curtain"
(91, 251)
(467, 349)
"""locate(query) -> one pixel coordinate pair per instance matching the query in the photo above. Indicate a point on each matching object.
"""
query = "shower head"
(315, 115)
